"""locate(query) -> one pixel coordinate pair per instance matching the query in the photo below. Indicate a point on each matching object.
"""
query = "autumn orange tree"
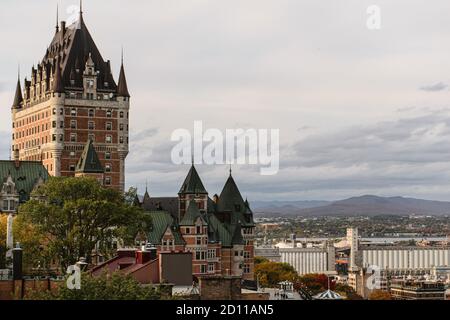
(270, 273)
(380, 295)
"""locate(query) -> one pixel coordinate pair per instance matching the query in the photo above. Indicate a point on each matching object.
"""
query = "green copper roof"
(25, 176)
(230, 198)
(89, 162)
(161, 220)
(192, 214)
(192, 183)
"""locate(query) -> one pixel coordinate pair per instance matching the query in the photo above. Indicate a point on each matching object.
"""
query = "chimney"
(63, 28)
(16, 158)
(142, 257)
(17, 262)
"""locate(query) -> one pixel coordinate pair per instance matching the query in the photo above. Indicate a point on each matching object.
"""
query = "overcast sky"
(359, 111)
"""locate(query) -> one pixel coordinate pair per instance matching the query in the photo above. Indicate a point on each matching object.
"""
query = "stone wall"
(220, 288)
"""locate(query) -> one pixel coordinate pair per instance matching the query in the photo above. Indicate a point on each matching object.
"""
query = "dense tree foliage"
(75, 214)
(270, 273)
(105, 287)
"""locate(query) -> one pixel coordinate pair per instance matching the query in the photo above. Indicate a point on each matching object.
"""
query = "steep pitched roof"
(169, 204)
(230, 198)
(161, 220)
(25, 176)
(72, 47)
(192, 183)
(237, 235)
(192, 214)
(122, 89)
(18, 98)
(89, 162)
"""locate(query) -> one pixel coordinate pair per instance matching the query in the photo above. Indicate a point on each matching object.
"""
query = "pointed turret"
(89, 161)
(192, 183)
(122, 87)
(18, 98)
(230, 198)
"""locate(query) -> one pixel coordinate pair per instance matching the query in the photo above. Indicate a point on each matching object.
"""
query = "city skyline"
(360, 111)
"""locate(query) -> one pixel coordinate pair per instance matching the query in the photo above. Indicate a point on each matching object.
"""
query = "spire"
(18, 98)
(57, 17)
(58, 86)
(122, 87)
(80, 19)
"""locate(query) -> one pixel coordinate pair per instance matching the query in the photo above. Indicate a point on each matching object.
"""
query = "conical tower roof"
(231, 197)
(89, 162)
(192, 183)
(122, 88)
(18, 98)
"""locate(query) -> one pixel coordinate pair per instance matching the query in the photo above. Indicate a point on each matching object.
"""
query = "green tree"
(74, 214)
(270, 273)
(115, 286)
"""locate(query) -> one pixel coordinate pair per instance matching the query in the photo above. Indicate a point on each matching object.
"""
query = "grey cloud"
(144, 134)
(435, 87)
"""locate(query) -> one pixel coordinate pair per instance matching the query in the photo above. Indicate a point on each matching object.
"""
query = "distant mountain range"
(368, 205)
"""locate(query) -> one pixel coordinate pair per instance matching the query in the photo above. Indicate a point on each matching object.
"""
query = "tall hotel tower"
(72, 102)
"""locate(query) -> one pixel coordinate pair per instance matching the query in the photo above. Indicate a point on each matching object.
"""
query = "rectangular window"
(108, 126)
(211, 268)
(91, 113)
(91, 125)
(199, 240)
(203, 268)
(211, 253)
(73, 137)
(188, 230)
(198, 229)
(109, 113)
(73, 112)
(120, 139)
(73, 124)
(107, 167)
(108, 139)
(246, 268)
(108, 155)
(72, 167)
(121, 127)
(91, 137)
(108, 181)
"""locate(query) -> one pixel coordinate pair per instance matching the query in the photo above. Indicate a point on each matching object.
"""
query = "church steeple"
(122, 87)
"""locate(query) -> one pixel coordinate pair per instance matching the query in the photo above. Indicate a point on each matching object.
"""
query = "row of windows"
(31, 119)
(197, 230)
(107, 155)
(91, 113)
(91, 136)
(91, 125)
(108, 167)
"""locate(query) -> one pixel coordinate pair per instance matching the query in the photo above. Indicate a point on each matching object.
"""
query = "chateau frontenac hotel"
(71, 98)
(72, 119)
